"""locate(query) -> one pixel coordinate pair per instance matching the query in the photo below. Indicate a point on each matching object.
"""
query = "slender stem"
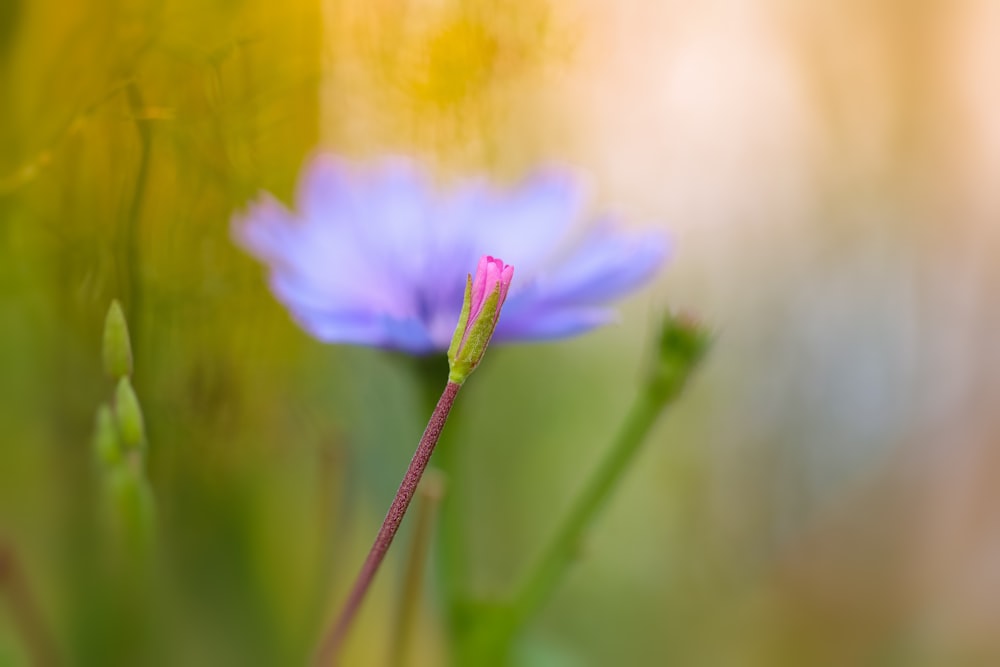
(683, 343)
(23, 610)
(565, 544)
(490, 641)
(334, 638)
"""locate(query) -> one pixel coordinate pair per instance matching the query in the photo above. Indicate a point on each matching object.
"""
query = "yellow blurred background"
(829, 172)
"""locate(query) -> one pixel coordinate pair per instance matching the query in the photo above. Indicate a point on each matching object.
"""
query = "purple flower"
(377, 256)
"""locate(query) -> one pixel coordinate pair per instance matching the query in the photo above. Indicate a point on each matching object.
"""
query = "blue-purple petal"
(365, 328)
(529, 224)
(548, 324)
(605, 266)
(374, 256)
(342, 327)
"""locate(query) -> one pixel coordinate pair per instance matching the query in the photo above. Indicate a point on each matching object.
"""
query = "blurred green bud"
(106, 441)
(683, 344)
(129, 414)
(117, 349)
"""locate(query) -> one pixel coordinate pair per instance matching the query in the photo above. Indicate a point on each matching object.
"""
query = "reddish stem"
(24, 612)
(334, 638)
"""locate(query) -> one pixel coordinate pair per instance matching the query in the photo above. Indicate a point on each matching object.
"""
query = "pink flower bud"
(484, 296)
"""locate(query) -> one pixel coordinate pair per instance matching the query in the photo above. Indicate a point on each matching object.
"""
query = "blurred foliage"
(135, 130)
(822, 496)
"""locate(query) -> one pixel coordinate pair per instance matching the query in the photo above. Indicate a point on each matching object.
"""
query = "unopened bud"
(683, 344)
(484, 297)
(106, 441)
(130, 422)
(117, 349)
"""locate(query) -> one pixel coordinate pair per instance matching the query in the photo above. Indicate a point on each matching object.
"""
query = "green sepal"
(471, 352)
(463, 318)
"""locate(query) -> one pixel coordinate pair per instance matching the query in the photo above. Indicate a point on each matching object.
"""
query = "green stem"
(682, 345)
(564, 546)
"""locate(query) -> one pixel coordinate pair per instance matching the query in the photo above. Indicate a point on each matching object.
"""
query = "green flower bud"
(117, 350)
(106, 441)
(130, 422)
(683, 343)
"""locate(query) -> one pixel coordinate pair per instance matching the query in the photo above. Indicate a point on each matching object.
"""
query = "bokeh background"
(826, 492)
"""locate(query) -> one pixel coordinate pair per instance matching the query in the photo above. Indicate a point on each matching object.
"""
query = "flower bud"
(106, 440)
(130, 422)
(484, 296)
(683, 344)
(117, 350)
